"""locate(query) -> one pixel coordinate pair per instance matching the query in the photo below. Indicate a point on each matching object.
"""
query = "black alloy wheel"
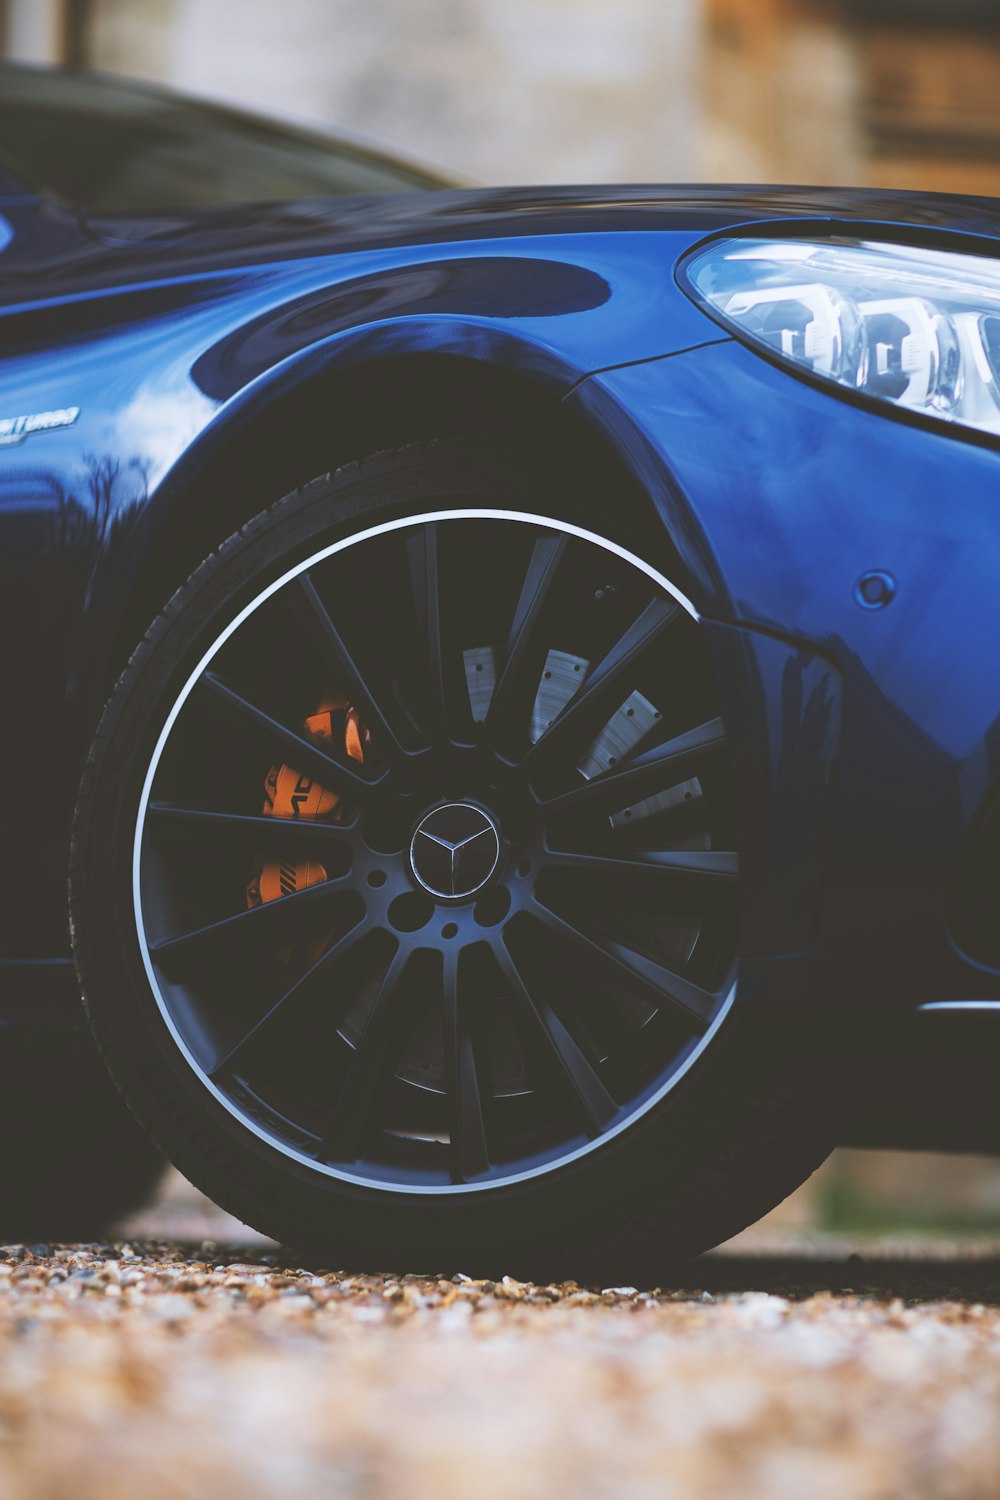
(524, 922)
(433, 867)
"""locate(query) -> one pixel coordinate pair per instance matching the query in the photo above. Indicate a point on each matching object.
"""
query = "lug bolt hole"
(376, 878)
(491, 909)
(524, 867)
(384, 834)
(449, 930)
(411, 911)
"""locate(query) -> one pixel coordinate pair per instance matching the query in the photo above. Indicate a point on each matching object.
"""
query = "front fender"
(166, 374)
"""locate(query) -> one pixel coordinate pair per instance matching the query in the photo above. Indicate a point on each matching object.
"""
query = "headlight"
(919, 328)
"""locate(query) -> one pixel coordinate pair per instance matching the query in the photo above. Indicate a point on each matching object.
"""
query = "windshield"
(107, 147)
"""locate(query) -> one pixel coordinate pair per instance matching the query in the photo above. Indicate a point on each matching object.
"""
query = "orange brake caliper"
(289, 794)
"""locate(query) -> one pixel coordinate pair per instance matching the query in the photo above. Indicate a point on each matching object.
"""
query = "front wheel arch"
(380, 400)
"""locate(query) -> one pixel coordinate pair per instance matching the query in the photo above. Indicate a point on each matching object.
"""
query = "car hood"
(54, 255)
(458, 214)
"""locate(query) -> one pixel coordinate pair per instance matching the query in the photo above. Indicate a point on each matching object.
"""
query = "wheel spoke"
(644, 774)
(277, 836)
(469, 1151)
(603, 689)
(719, 866)
(650, 980)
(380, 1039)
(186, 953)
(304, 988)
(546, 556)
(349, 676)
(422, 558)
(697, 1004)
(303, 754)
(593, 1099)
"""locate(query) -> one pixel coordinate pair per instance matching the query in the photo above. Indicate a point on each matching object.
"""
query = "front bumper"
(866, 739)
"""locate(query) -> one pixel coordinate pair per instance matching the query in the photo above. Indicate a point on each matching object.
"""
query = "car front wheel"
(405, 886)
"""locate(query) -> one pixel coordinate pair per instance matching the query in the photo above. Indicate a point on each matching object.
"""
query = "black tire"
(76, 1161)
(737, 1124)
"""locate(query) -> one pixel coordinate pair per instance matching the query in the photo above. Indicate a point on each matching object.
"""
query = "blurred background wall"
(886, 92)
(893, 93)
(496, 90)
(898, 93)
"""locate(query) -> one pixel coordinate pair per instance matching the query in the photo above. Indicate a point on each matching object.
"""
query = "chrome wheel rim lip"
(219, 1095)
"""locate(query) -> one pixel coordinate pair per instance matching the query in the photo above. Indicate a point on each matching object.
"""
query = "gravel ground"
(173, 1369)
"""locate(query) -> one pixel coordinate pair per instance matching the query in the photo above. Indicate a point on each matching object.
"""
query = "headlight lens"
(919, 328)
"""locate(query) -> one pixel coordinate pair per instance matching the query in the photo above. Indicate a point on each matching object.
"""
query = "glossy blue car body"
(866, 740)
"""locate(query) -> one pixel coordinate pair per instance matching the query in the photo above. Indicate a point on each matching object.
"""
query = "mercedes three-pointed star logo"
(454, 850)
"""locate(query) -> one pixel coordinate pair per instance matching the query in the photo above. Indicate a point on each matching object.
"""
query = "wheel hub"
(455, 850)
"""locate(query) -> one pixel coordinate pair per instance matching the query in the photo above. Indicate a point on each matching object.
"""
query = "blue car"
(512, 677)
